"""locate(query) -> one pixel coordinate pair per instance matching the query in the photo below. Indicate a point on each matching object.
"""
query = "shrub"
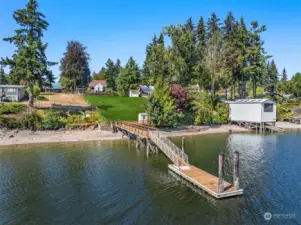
(52, 121)
(283, 112)
(9, 122)
(221, 113)
(11, 108)
(36, 91)
(31, 120)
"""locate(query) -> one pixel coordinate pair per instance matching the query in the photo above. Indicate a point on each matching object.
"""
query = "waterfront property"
(151, 139)
(12, 92)
(253, 110)
(98, 85)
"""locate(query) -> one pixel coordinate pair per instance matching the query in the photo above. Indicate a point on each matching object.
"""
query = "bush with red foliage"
(180, 96)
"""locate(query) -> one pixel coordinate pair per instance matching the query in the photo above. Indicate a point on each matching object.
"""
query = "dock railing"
(175, 154)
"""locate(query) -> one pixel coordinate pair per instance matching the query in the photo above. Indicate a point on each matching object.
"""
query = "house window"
(268, 107)
(10, 90)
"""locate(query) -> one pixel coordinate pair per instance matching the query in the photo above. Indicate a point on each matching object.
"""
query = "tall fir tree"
(75, 64)
(213, 25)
(201, 32)
(110, 74)
(118, 68)
(182, 55)
(230, 53)
(156, 62)
(284, 75)
(29, 61)
(256, 56)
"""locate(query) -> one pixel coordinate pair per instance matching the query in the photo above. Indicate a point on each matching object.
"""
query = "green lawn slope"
(117, 107)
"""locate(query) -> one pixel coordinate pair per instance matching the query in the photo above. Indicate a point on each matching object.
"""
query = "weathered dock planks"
(205, 181)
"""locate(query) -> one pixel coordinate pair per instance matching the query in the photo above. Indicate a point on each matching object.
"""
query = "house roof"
(11, 86)
(252, 101)
(146, 89)
(96, 82)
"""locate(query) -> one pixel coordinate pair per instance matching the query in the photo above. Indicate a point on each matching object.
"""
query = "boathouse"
(253, 111)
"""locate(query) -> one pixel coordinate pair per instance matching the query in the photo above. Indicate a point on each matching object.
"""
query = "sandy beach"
(17, 137)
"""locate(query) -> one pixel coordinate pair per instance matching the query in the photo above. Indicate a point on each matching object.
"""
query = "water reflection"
(115, 183)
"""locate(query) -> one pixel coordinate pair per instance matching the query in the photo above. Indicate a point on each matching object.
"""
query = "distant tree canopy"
(29, 62)
(75, 64)
(100, 75)
(129, 78)
(215, 54)
(292, 86)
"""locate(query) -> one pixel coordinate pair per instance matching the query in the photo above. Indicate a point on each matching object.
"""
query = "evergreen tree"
(182, 55)
(75, 64)
(230, 52)
(110, 74)
(213, 25)
(156, 61)
(3, 77)
(271, 79)
(213, 58)
(129, 78)
(29, 61)
(189, 24)
(284, 75)
(118, 68)
(256, 56)
(161, 107)
(201, 32)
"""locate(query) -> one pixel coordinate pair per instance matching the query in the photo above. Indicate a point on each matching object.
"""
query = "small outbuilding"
(142, 118)
(253, 111)
(134, 93)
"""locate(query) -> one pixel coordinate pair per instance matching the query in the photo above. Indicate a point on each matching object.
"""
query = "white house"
(253, 111)
(134, 93)
(12, 92)
(98, 85)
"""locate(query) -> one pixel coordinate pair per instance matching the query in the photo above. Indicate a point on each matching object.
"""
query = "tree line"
(215, 54)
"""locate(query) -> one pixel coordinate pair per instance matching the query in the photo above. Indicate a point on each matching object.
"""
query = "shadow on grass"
(105, 107)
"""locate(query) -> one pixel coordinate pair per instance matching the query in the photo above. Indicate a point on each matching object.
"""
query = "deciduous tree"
(75, 64)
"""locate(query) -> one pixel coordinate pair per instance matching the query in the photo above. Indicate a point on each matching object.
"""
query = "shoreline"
(24, 137)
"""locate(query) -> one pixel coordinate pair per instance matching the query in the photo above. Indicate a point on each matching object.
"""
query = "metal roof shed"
(253, 110)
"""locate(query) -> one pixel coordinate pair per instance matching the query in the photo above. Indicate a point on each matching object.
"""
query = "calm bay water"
(113, 183)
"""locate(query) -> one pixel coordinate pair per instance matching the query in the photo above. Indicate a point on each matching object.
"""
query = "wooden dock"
(215, 186)
(205, 181)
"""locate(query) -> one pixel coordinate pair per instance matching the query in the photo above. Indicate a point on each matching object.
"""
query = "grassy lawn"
(118, 108)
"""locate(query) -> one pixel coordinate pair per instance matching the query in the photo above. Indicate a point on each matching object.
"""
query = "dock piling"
(183, 143)
(236, 170)
(221, 172)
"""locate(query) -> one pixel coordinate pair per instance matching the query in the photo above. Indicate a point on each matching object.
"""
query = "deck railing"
(175, 154)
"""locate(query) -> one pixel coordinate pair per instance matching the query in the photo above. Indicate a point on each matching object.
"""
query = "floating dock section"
(205, 181)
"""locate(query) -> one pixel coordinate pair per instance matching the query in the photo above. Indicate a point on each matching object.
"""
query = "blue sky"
(120, 29)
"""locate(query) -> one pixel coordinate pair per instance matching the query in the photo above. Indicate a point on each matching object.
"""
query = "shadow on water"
(112, 182)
